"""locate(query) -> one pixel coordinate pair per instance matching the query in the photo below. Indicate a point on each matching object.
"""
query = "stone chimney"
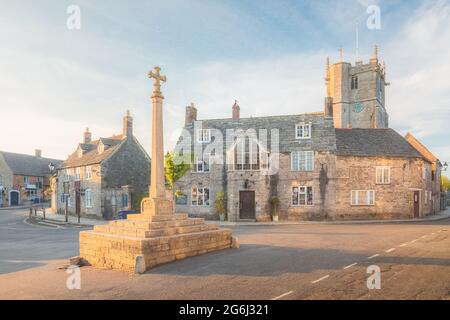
(328, 108)
(38, 153)
(87, 136)
(128, 125)
(236, 111)
(191, 114)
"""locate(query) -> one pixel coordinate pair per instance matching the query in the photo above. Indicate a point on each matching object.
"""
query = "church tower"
(357, 93)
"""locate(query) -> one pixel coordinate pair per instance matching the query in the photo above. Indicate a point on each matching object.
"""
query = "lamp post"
(445, 166)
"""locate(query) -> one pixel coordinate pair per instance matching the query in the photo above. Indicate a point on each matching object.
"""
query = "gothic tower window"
(354, 84)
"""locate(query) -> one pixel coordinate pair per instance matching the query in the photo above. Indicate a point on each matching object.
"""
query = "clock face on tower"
(358, 107)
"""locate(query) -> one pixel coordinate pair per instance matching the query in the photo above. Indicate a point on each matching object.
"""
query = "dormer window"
(101, 148)
(303, 131)
(80, 152)
(354, 84)
(203, 135)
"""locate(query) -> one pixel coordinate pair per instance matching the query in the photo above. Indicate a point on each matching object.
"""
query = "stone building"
(434, 193)
(342, 163)
(24, 179)
(103, 176)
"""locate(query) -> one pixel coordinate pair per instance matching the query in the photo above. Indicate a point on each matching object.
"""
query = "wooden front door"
(247, 205)
(416, 204)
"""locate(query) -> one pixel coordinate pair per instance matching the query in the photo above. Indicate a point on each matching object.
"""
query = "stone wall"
(7, 182)
(394, 200)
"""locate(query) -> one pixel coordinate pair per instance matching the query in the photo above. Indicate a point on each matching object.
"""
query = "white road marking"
(390, 250)
(350, 265)
(375, 255)
(283, 295)
(404, 244)
(320, 279)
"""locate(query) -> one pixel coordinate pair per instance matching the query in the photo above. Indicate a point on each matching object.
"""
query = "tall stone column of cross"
(157, 181)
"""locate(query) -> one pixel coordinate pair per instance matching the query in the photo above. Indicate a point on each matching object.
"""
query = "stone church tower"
(356, 94)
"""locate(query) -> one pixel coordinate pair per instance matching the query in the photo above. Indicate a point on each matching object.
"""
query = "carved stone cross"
(155, 74)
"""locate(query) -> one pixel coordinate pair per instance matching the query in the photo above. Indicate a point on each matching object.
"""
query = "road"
(316, 261)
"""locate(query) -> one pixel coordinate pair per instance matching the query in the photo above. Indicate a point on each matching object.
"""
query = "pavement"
(59, 218)
(303, 261)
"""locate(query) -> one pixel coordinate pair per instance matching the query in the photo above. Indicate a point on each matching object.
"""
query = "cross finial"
(155, 74)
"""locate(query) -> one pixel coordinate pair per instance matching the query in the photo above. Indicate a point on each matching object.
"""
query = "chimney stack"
(87, 136)
(191, 114)
(236, 113)
(128, 125)
(38, 153)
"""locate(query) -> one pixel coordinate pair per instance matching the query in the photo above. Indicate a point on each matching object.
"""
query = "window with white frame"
(26, 180)
(88, 172)
(66, 175)
(303, 131)
(302, 160)
(200, 196)
(202, 165)
(424, 172)
(383, 175)
(88, 198)
(302, 196)
(362, 197)
(1, 180)
(69, 200)
(247, 155)
(203, 135)
(77, 174)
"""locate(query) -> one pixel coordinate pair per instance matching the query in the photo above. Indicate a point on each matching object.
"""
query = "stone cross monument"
(157, 203)
(157, 235)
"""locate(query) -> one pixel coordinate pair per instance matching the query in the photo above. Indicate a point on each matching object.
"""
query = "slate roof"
(322, 130)
(28, 165)
(373, 142)
(91, 155)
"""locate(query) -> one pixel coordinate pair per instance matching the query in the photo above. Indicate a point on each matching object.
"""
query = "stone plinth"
(138, 244)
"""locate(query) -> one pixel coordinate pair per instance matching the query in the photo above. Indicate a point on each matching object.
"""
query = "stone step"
(132, 231)
(157, 218)
(179, 230)
(147, 225)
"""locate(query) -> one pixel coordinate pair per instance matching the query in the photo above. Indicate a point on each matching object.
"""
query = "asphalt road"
(317, 261)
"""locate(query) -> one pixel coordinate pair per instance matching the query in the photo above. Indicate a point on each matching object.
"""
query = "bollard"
(43, 211)
(31, 211)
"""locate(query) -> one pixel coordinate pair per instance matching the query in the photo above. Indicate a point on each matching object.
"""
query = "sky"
(269, 55)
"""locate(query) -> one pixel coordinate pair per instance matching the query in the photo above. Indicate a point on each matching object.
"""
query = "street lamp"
(445, 166)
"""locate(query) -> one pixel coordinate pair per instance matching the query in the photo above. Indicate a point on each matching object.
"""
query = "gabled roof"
(373, 142)
(91, 154)
(416, 144)
(28, 165)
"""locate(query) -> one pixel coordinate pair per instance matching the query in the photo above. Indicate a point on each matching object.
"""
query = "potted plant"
(220, 205)
(274, 201)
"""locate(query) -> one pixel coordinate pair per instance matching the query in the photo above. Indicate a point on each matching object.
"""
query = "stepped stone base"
(147, 240)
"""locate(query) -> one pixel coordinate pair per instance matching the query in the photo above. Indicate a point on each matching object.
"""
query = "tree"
(175, 168)
(445, 183)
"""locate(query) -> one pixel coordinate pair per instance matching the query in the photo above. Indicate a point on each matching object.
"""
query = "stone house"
(24, 179)
(103, 177)
(436, 170)
(342, 163)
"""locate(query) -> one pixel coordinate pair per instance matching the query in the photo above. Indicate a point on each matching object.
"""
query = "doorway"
(416, 204)
(247, 205)
(14, 198)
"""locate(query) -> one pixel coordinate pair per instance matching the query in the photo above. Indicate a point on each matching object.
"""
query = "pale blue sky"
(269, 55)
